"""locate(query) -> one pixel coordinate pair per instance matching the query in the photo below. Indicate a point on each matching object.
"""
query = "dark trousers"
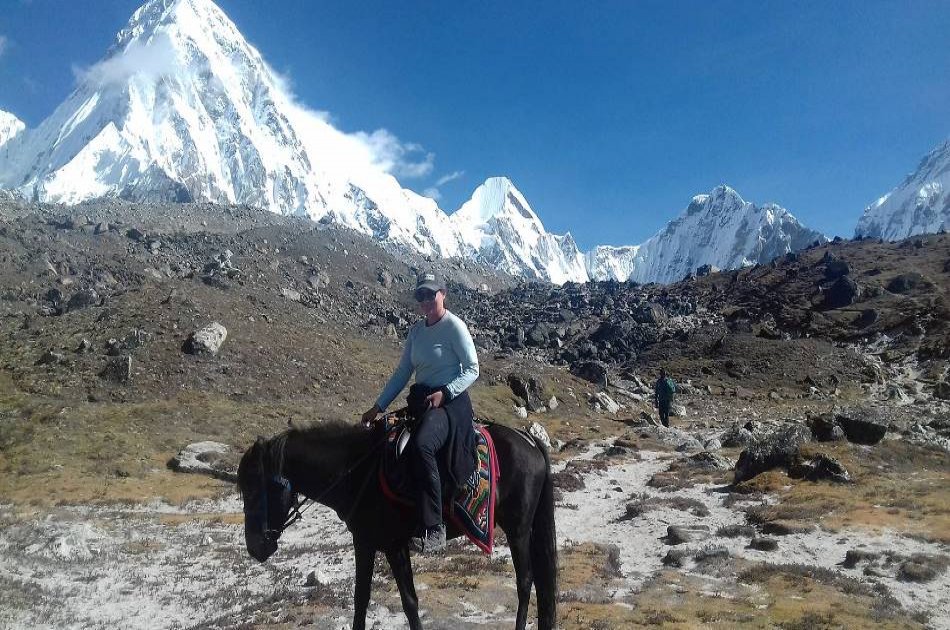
(425, 447)
(664, 408)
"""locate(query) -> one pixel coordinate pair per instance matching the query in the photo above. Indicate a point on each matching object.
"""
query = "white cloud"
(380, 148)
(433, 192)
(151, 60)
(401, 159)
(445, 179)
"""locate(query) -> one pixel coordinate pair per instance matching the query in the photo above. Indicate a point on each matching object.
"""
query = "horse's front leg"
(365, 559)
(402, 570)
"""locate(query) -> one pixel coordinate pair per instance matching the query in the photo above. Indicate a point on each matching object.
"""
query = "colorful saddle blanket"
(472, 509)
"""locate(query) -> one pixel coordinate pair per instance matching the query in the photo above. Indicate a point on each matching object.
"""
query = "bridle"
(276, 447)
(276, 477)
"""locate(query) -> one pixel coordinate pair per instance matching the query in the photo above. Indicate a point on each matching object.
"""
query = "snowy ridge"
(498, 227)
(720, 229)
(919, 205)
(606, 262)
(10, 126)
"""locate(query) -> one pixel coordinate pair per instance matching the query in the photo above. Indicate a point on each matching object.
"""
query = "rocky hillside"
(812, 409)
(78, 283)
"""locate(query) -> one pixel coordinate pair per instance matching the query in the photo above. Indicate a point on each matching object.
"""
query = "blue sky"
(609, 116)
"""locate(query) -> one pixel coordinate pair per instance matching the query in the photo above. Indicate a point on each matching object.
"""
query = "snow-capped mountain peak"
(919, 205)
(719, 228)
(498, 227)
(184, 108)
(10, 126)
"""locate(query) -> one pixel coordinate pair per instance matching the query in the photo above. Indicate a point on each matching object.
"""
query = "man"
(440, 352)
(664, 390)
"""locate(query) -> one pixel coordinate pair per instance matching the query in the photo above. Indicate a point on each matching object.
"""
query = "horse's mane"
(339, 432)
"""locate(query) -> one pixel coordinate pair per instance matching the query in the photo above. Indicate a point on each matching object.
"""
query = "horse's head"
(268, 499)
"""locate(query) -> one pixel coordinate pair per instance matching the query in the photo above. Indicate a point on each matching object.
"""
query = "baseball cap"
(429, 280)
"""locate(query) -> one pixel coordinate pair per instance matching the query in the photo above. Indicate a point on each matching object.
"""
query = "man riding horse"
(337, 464)
(440, 351)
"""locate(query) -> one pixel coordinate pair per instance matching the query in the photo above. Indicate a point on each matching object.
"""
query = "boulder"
(763, 543)
(737, 435)
(539, 433)
(83, 298)
(712, 461)
(676, 557)
(207, 458)
(528, 389)
(650, 313)
(538, 335)
(705, 270)
(136, 234)
(942, 390)
(777, 449)
(568, 480)
(207, 341)
(843, 292)
(907, 282)
(825, 428)
(291, 294)
(679, 534)
(867, 317)
(819, 468)
(593, 371)
(863, 426)
(51, 357)
(835, 268)
(605, 402)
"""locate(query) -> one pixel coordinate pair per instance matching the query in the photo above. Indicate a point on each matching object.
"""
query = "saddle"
(470, 507)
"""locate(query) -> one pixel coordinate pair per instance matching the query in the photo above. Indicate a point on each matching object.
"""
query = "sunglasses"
(425, 295)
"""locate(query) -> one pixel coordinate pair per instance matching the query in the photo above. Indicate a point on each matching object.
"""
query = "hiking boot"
(431, 541)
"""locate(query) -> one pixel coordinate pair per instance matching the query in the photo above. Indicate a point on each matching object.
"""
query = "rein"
(301, 505)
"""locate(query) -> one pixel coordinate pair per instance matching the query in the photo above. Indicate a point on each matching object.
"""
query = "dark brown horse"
(337, 465)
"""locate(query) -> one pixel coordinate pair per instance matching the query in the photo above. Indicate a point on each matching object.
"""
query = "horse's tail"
(544, 550)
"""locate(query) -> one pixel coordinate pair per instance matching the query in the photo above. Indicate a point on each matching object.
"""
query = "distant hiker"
(439, 349)
(663, 391)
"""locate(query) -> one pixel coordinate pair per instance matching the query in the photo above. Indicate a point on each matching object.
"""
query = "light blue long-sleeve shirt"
(440, 354)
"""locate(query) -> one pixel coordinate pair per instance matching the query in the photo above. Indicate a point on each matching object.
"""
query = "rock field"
(804, 482)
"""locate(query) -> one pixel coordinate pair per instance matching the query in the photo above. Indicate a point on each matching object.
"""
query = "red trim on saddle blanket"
(448, 508)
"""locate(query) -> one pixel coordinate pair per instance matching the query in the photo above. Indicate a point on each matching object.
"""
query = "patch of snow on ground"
(139, 567)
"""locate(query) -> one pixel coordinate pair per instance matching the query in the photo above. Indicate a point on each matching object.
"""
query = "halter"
(300, 505)
(277, 477)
